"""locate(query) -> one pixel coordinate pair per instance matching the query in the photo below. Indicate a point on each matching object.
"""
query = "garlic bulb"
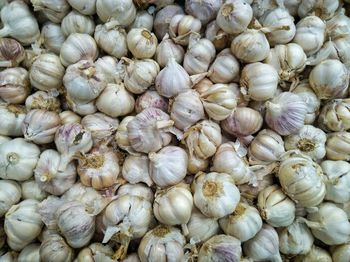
(285, 113)
(11, 119)
(199, 55)
(135, 170)
(215, 194)
(75, 22)
(30, 253)
(121, 136)
(329, 224)
(140, 75)
(139, 190)
(243, 121)
(9, 256)
(166, 50)
(260, 7)
(151, 98)
(75, 224)
(182, 26)
(161, 244)
(325, 9)
(53, 37)
(44, 101)
(218, 36)
(163, 18)
(22, 224)
(203, 139)
(142, 43)
(334, 115)
(309, 140)
(107, 37)
(143, 19)
(244, 223)
(18, 158)
(264, 245)
(340, 47)
(124, 13)
(329, 79)
(196, 164)
(69, 140)
(94, 252)
(88, 7)
(220, 248)
(205, 11)
(68, 117)
(11, 52)
(32, 190)
(337, 146)
(234, 16)
(277, 209)
(115, 94)
(54, 10)
(10, 194)
(172, 79)
(14, 85)
(55, 248)
(301, 179)
(78, 47)
(295, 239)
(112, 69)
(225, 68)
(340, 253)
(19, 23)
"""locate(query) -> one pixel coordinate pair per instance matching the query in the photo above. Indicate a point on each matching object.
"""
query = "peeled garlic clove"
(149, 99)
(323, 9)
(14, 85)
(340, 253)
(123, 13)
(121, 136)
(75, 22)
(30, 253)
(338, 146)
(44, 101)
(166, 50)
(182, 26)
(87, 7)
(55, 248)
(225, 68)
(142, 43)
(135, 170)
(139, 190)
(95, 251)
(32, 190)
(335, 115)
(53, 37)
(205, 11)
(10, 194)
(54, 10)
(11, 52)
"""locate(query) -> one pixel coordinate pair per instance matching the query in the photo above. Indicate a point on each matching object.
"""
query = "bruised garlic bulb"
(74, 22)
(139, 190)
(340, 253)
(68, 117)
(142, 43)
(135, 170)
(10, 194)
(14, 85)
(325, 9)
(182, 26)
(334, 115)
(88, 7)
(53, 37)
(11, 119)
(285, 113)
(151, 98)
(94, 252)
(337, 146)
(225, 68)
(215, 194)
(30, 253)
(218, 36)
(166, 50)
(54, 10)
(244, 223)
(123, 13)
(163, 18)
(11, 52)
(205, 11)
(54, 248)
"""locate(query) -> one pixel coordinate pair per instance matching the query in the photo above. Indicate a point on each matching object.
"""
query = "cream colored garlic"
(260, 80)
(338, 146)
(4, 139)
(166, 50)
(234, 16)
(244, 223)
(9, 256)
(10, 194)
(30, 253)
(215, 194)
(123, 14)
(181, 27)
(18, 159)
(340, 253)
(95, 251)
(277, 209)
(31, 190)
(68, 117)
(54, 10)
(218, 36)
(285, 113)
(75, 22)
(11, 52)
(143, 19)
(112, 69)
(139, 190)
(78, 47)
(196, 164)
(163, 17)
(140, 75)
(55, 248)
(53, 37)
(205, 11)
(47, 210)
(162, 243)
(14, 85)
(121, 136)
(81, 108)
(107, 37)
(301, 179)
(203, 139)
(142, 43)
(340, 47)
(11, 119)
(225, 68)
(151, 98)
(325, 9)
(22, 224)
(334, 115)
(87, 7)
(112, 95)
(135, 170)
(44, 101)
(19, 23)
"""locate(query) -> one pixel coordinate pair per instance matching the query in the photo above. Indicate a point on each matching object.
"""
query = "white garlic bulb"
(334, 115)
(14, 85)
(244, 223)
(135, 170)
(121, 136)
(11, 119)
(44, 101)
(68, 117)
(340, 253)
(182, 26)
(124, 13)
(151, 98)
(18, 158)
(166, 50)
(196, 164)
(32, 190)
(112, 69)
(340, 47)
(205, 11)
(55, 248)
(163, 17)
(11, 52)
(54, 10)
(30, 253)
(75, 22)
(337, 146)
(225, 68)
(218, 36)
(10, 194)
(143, 19)
(142, 43)
(325, 9)
(87, 7)
(53, 37)
(215, 194)
(95, 251)
(139, 190)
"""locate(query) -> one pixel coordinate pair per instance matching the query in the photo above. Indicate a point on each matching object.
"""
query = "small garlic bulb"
(22, 224)
(112, 95)
(264, 245)
(234, 16)
(340, 253)
(285, 113)
(151, 98)
(87, 7)
(325, 9)
(329, 79)
(142, 43)
(30, 253)
(143, 19)
(11, 119)
(14, 85)
(225, 68)
(243, 121)
(166, 50)
(11, 52)
(203, 139)
(334, 115)
(121, 136)
(220, 248)
(32, 190)
(244, 223)
(140, 75)
(161, 244)
(182, 26)
(123, 13)
(112, 69)
(44, 101)
(54, 248)
(53, 37)
(80, 107)
(260, 80)
(215, 194)
(205, 11)
(337, 146)
(277, 209)
(68, 117)
(10, 194)
(301, 179)
(54, 10)
(139, 190)
(78, 47)
(199, 55)
(18, 159)
(107, 37)
(163, 18)
(329, 224)
(135, 170)
(266, 147)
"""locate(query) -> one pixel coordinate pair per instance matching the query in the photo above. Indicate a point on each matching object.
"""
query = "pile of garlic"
(157, 130)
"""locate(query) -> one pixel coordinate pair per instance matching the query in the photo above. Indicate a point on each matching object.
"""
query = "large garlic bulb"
(10, 194)
(75, 22)
(54, 248)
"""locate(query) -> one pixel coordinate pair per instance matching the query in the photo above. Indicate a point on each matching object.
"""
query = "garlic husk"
(338, 146)
(205, 11)
(244, 223)
(324, 9)
(71, 139)
(163, 18)
(215, 194)
(168, 49)
(151, 98)
(218, 36)
(78, 47)
(121, 136)
(182, 26)
(142, 43)
(30, 253)
(162, 243)
(10, 194)
(22, 224)
(11, 119)
(123, 14)
(14, 85)
(301, 179)
(68, 117)
(49, 178)
(44, 101)
(112, 69)
(18, 158)
(53, 37)
(285, 113)
(340, 253)
(139, 190)
(135, 170)
(11, 52)
(309, 140)
(95, 252)
(75, 22)
(225, 68)
(55, 248)
(334, 115)
(220, 248)
(264, 245)
(32, 190)
(87, 7)
(54, 10)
